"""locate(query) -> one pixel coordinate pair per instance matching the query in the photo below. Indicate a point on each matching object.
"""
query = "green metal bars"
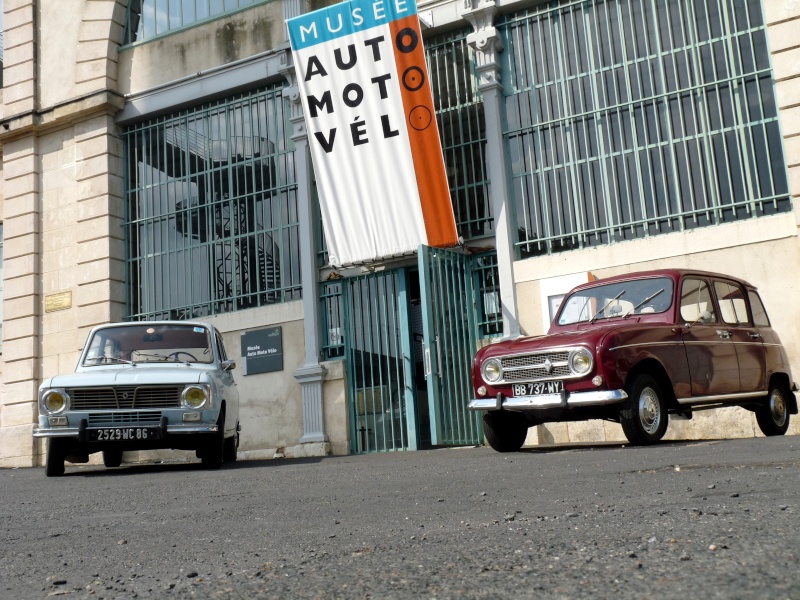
(210, 199)
(630, 118)
(448, 314)
(379, 363)
(332, 320)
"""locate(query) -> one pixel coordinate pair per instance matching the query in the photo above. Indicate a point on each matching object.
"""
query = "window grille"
(486, 287)
(631, 118)
(462, 129)
(147, 19)
(332, 320)
(211, 209)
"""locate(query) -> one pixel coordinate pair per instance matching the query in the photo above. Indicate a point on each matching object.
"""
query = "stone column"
(487, 44)
(100, 279)
(21, 247)
(21, 302)
(311, 374)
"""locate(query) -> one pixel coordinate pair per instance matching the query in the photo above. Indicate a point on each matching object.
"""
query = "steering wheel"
(179, 352)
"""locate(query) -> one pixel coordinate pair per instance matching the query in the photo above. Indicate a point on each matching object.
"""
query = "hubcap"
(649, 412)
(777, 407)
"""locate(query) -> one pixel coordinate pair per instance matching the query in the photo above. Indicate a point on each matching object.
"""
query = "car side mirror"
(227, 365)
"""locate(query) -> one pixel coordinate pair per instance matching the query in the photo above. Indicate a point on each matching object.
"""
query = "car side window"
(222, 354)
(760, 318)
(732, 306)
(696, 300)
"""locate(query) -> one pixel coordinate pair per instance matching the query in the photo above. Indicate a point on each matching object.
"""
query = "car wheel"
(644, 419)
(213, 452)
(54, 465)
(112, 458)
(230, 447)
(504, 431)
(773, 417)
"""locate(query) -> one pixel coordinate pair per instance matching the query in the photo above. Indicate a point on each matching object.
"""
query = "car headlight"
(580, 361)
(491, 370)
(194, 396)
(55, 401)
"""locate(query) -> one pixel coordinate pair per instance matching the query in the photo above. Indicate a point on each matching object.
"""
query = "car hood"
(587, 335)
(127, 375)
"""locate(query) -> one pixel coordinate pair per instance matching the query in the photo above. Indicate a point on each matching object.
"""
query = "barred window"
(631, 118)
(211, 207)
(462, 129)
(146, 19)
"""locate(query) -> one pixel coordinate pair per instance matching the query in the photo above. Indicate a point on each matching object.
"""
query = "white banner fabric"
(383, 188)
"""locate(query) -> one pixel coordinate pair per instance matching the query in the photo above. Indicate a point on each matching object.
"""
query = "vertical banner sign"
(372, 130)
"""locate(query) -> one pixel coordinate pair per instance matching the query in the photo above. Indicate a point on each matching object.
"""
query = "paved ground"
(678, 520)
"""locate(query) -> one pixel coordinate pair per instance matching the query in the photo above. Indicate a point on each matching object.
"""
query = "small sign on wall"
(262, 351)
(57, 301)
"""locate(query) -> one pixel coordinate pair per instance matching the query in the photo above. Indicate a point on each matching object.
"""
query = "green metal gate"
(381, 399)
(450, 340)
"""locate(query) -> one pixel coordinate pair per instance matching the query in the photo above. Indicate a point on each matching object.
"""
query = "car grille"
(126, 397)
(529, 367)
(117, 418)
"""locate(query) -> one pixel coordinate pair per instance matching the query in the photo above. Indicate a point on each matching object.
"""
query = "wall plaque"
(58, 301)
(262, 351)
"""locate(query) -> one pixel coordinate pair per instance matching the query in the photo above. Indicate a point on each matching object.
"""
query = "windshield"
(619, 299)
(149, 343)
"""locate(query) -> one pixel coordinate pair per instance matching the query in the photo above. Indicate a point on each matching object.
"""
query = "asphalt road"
(678, 520)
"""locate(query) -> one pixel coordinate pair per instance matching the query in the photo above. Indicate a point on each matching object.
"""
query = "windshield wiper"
(163, 357)
(617, 297)
(99, 360)
(642, 303)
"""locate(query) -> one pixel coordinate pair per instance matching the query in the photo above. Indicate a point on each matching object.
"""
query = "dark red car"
(634, 349)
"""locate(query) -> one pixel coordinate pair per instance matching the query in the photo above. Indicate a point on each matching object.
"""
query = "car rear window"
(760, 318)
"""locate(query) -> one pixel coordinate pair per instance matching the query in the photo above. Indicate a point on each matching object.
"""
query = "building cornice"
(61, 115)
(217, 82)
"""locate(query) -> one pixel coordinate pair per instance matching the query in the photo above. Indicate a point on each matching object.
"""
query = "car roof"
(156, 323)
(675, 274)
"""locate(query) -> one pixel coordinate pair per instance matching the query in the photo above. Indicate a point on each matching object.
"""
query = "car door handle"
(755, 336)
(725, 335)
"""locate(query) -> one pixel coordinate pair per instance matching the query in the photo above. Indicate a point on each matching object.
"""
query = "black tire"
(214, 451)
(644, 419)
(54, 461)
(504, 431)
(231, 446)
(112, 458)
(773, 416)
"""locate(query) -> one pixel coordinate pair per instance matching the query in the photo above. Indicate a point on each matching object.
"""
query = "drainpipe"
(488, 45)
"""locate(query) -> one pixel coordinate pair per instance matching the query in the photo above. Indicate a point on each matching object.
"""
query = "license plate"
(120, 434)
(537, 388)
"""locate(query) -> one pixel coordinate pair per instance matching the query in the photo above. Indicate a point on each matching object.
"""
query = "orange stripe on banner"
(426, 147)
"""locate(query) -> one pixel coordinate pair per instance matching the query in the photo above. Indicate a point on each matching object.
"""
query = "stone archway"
(100, 35)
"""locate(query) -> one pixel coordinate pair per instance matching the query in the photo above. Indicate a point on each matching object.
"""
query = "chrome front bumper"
(75, 432)
(574, 400)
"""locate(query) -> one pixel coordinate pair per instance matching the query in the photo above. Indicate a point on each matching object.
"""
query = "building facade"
(155, 165)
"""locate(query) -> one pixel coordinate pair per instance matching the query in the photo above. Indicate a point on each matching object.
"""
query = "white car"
(143, 386)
